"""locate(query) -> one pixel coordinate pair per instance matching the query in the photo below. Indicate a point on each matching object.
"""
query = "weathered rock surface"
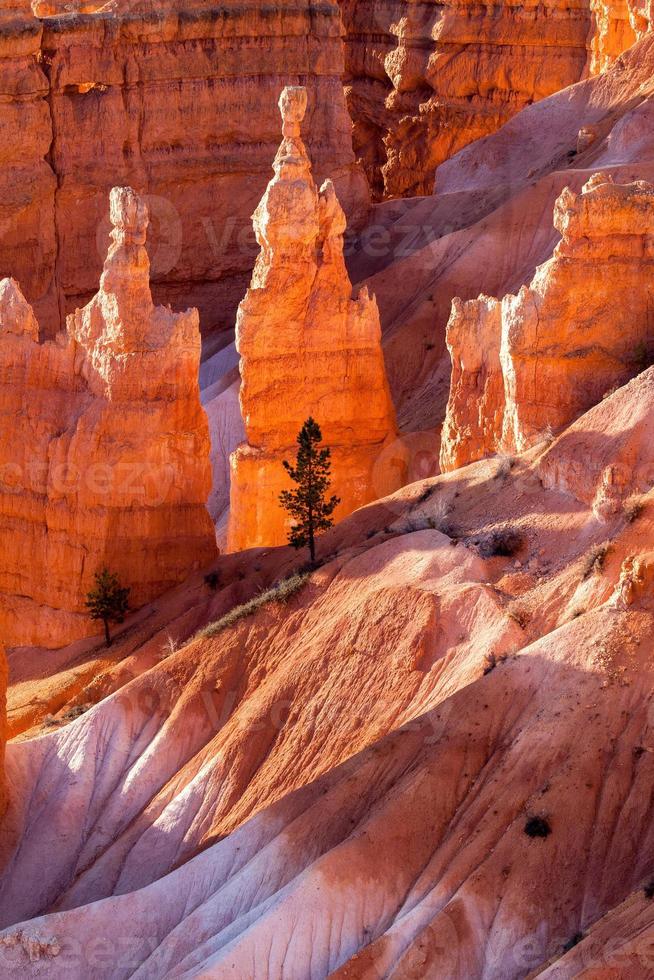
(104, 447)
(176, 99)
(307, 349)
(358, 744)
(533, 362)
(605, 459)
(615, 26)
(425, 79)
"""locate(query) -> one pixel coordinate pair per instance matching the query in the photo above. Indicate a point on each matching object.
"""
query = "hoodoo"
(307, 348)
(535, 361)
(104, 447)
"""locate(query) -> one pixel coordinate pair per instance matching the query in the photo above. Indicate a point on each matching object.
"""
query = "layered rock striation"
(104, 447)
(176, 99)
(306, 348)
(531, 363)
(425, 79)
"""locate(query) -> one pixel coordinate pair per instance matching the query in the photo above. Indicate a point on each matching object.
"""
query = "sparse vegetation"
(108, 601)
(594, 560)
(505, 465)
(212, 580)
(434, 518)
(537, 827)
(504, 543)
(491, 661)
(309, 505)
(170, 646)
(649, 889)
(280, 592)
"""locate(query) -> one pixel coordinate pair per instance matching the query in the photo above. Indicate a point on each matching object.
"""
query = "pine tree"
(309, 505)
(109, 601)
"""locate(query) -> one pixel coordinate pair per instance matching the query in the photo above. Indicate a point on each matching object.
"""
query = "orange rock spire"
(104, 447)
(537, 360)
(307, 348)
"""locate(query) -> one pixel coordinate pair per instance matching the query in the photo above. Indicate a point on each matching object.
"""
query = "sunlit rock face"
(104, 447)
(176, 98)
(307, 348)
(531, 363)
(615, 26)
(424, 79)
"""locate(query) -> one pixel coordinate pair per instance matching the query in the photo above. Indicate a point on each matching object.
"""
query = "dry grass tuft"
(280, 592)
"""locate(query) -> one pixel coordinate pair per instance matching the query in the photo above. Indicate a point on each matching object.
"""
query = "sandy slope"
(373, 782)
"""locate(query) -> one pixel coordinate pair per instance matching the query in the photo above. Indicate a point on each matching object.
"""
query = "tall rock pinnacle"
(307, 348)
(104, 447)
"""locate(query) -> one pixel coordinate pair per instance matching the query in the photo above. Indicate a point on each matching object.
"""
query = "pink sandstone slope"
(489, 224)
(342, 782)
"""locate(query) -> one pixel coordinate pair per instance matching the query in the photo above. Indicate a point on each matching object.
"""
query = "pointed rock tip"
(293, 106)
(128, 213)
(16, 314)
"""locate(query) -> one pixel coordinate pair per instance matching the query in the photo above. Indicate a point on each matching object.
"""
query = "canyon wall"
(307, 348)
(104, 447)
(615, 26)
(424, 79)
(176, 99)
(531, 363)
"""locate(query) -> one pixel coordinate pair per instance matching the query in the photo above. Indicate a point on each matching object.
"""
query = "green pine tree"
(308, 504)
(108, 601)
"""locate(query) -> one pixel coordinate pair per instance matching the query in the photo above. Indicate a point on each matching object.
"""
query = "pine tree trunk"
(107, 634)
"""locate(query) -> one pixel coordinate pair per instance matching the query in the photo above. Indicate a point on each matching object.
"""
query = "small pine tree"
(108, 601)
(309, 505)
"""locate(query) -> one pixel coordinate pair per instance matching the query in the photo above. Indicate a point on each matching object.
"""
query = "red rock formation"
(306, 349)
(176, 99)
(616, 25)
(424, 79)
(533, 362)
(103, 447)
(358, 741)
(605, 458)
(3, 730)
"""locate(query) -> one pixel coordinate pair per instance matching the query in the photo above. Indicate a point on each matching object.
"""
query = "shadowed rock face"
(531, 363)
(104, 446)
(424, 79)
(307, 349)
(176, 99)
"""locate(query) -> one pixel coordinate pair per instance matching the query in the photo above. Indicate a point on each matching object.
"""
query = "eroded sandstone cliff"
(531, 363)
(176, 99)
(104, 447)
(307, 348)
(615, 26)
(424, 79)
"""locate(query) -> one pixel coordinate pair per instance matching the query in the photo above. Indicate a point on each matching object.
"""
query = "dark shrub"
(503, 543)
(538, 827)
